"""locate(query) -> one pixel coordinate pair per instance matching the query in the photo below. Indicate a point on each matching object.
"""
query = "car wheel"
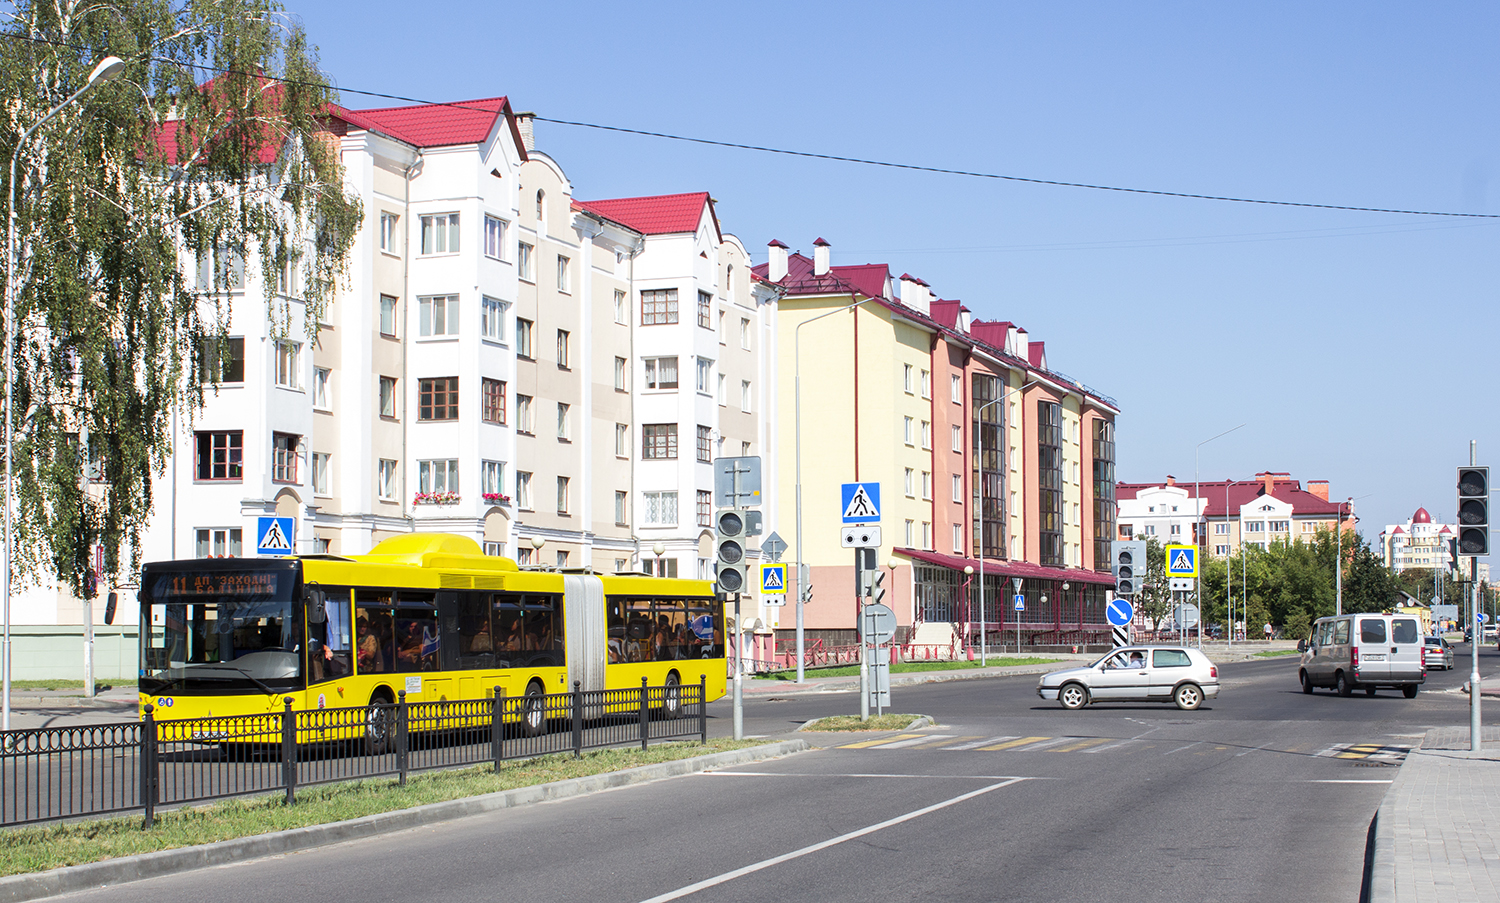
(1307, 686)
(379, 719)
(1369, 691)
(1410, 692)
(1073, 696)
(1341, 684)
(534, 711)
(1188, 697)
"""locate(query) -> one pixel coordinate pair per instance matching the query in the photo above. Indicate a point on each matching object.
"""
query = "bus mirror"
(317, 613)
(109, 608)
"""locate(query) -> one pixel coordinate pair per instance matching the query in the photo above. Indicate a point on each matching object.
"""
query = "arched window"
(540, 196)
(729, 280)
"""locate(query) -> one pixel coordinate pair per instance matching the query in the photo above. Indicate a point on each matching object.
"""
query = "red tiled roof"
(434, 124)
(661, 214)
(945, 313)
(1023, 569)
(1240, 492)
(1398, 530)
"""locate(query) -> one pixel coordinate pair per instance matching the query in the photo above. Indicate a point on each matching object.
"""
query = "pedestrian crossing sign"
(773, 579)
(1182, 561)
(860, 503)
(273, 536)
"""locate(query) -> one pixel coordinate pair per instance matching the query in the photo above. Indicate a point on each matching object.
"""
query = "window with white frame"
(388, 397)
(492, 316)
(563, 428)
(562, 274)
(958, 537)
(927, 485)
(745, 333)
(927, 535)
(322, 473)
(438, 475)
(705, 508)
(525, 422)
(622, 509)
(525, 338)
(438, 315)
(440, 233)
(385, 484)
(622, 308)
(958, 488)
(722, 393)
(492, 480)
(622, 440)
(1255, 526)
(956, 388)
(388, 316)
(289, 365)
(908, 427)
(927, 434)
(285, 457)
(958, 438)
(390, 238)
(705, 310)
(745, 395)
(661, 509)
(906, 378)
(562, 495)
(723, 333)
(926, 383)
(322, 376)
(564, 349)
(1280, 526)
(524, 253)
(909, 482)
(496, 549)
(620, 374)
(910, 531)
(494, 238)
(661, 372)
(705, 375)
(523, 490)
(218, 542)
(745, 449)
(1221, 550)
(1221, 529)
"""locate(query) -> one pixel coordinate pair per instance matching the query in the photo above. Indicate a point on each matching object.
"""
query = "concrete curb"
(1383, 862)
(36, 885)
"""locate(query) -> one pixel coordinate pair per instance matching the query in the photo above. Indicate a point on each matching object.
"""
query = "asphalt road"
(1263, 794)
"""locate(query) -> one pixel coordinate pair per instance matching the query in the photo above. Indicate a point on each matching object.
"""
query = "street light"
(969, 575)
(1338, 555)
(1199, 526)
(660, 548)
(983, 649)
(108, 69)
(797, 394)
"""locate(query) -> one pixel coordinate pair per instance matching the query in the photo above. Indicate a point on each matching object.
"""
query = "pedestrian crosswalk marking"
(1011, 744)
(975, 743)
(1391, 753)
(1083, 744)
(915, 741)
(944, 742)
(868, 743)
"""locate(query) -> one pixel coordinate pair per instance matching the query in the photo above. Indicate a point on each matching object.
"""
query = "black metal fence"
(54, 773)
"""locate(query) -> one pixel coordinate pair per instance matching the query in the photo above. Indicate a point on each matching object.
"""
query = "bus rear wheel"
(534, 711)
(671, 704)
(380, 719)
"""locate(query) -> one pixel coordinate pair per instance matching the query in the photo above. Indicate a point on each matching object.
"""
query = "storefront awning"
(1022, 569)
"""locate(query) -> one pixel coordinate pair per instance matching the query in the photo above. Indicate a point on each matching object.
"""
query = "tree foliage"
(209, 142)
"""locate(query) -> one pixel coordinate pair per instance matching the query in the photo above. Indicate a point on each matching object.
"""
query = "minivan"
(1367, 651)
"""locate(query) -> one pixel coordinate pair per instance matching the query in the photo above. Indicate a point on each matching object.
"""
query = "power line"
(837, 158)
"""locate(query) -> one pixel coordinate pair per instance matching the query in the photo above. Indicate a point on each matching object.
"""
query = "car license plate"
(1377, 657)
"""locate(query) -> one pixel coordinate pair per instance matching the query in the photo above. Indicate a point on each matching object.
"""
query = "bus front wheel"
(380, 718)
(534, 711)
(671, 705)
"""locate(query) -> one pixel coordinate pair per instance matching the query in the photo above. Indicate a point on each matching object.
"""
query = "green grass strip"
(911, 667)
(1273, 653)
(852, 723)
(56, 685)
(41, 847)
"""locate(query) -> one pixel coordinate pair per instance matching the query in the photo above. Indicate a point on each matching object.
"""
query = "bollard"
(577, 720)
(497, 726)
(289, 751)
(148, 765)
(703, 707)
(401, 738)
(645, 715)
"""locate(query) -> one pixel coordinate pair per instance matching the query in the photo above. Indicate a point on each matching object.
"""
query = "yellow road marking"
(869, 743)
(1082, 744)
(944, 742)
(1021, 742)
(1350, 755)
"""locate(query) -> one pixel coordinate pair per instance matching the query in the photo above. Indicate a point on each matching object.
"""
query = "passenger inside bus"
(373, 630)
(416, 641)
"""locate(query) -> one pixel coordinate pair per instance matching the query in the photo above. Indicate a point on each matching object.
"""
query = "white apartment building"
(1165, 513)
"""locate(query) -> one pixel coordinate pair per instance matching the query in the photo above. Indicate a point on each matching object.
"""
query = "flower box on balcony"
(436, 498)
(497, 498)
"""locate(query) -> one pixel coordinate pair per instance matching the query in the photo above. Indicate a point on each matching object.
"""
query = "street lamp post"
(1199, 526)
(109, 68)
(797, 395)
(979, 415)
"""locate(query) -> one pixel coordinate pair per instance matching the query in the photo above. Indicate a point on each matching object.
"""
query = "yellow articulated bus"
(424, 613)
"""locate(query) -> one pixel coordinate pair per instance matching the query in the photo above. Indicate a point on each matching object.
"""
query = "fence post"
(289, 751)
(497, 727)
(577, 719)
(148, 765)
(645, 712)
(401, 737)
(703, 707)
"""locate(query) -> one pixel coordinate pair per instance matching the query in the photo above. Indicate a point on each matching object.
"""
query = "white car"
(1175, 674)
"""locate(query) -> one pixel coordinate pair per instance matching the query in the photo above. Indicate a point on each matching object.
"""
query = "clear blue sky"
(1352, 344)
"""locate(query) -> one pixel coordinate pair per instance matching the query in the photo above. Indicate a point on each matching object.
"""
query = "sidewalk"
(1437, 829)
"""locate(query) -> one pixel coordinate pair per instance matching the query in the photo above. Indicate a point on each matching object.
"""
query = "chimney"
(820, 257)
(1171, 480)
(915, 294)
(1268, 479)
(776, 270)
(1318, 488)
(965, 320)
(523, 125)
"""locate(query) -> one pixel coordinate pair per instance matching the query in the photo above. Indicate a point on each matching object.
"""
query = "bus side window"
(671, 630)
(510, 637)
(616, 630)
(373, 632)
(476, 645)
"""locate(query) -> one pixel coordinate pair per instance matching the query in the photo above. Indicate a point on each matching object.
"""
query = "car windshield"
(220, 631)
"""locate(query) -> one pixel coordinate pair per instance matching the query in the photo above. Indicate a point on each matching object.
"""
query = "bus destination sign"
(261, 583)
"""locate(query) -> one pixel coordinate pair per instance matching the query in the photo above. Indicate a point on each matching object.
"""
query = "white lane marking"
(978, 743)
(1181, 748)
(1256, 749)
(913, 742)
(823, 845)
(1100, 749)
(1033, 747)
(809, 774)
(1332, 781)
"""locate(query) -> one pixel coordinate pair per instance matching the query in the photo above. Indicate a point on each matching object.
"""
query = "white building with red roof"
(1421, 542)
(1227, 513)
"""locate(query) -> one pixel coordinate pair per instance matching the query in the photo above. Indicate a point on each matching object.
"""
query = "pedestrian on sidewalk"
(1269, 630)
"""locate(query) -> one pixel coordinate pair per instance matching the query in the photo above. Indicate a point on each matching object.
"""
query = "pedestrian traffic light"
(1473, 511)
(1128, 561)
(729, 551)
(877, 592)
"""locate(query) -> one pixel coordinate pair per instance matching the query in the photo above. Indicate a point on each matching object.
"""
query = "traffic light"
(877, 592)
(1452, 550)
(729, 550)
(1473, 511)
(1128, 561)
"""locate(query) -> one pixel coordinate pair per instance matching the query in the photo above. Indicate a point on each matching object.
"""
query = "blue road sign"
(860, 503)
(1120, 612)
(1482, 618)
(1019, 601)
(273, 535)
(773, 578)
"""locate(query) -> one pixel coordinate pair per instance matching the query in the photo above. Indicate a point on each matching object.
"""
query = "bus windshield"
(220, 630)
